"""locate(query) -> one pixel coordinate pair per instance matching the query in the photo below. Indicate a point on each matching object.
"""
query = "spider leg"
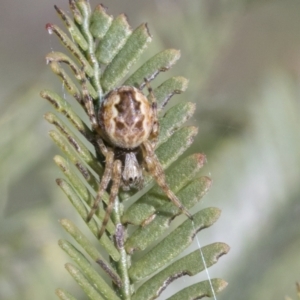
(89, 105)
(109, 156)
(155, 169)
(155, 127)
(117, 172)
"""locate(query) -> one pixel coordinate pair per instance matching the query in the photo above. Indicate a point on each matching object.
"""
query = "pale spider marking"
(127, 127)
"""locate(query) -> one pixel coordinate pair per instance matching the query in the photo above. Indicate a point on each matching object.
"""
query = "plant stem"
(123, 264)
(85, 10)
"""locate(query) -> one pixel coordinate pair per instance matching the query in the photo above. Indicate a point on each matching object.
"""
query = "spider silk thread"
(50, 45)
(63, 90)
(204, 263)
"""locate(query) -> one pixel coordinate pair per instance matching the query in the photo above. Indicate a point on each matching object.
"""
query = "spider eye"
(132, 179)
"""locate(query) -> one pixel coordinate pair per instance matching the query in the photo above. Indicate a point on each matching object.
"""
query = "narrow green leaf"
(189, 195)
(174, 85)
(96, 256)
(100, 22)
(83, 191)
(161, 62)
(122, 62)
(74, 141)
(86, 286)
(138, 214)
(177, 177)
(62, 143)
(175, 146)
(190, 265)
(63, 295)
(146, 235)
(62, 106)
(175, 117)
(77, 162)
(91, 274)
(85, 9)
(74, 31)
(114, 40)
(60, 57)
(76, 182)
(81, 209)
(173, 244)
(75, 12)
(71, 47)
(200, 290)
(67, 81)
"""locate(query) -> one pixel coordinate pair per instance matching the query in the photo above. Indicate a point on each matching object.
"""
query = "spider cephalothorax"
(126, 128)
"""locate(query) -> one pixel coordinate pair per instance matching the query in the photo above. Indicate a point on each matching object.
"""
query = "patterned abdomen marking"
(126, 117)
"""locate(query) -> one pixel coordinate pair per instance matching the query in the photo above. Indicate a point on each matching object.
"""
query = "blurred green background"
(242, 58)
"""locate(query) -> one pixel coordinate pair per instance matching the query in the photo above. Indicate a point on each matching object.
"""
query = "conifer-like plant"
(104, 50)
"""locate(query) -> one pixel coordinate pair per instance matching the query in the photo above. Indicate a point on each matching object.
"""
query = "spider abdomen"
(126, 117)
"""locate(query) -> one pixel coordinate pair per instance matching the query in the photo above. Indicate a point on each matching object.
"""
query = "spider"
(126, 127)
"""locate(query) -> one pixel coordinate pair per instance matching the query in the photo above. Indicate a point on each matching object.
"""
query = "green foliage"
(105, 50)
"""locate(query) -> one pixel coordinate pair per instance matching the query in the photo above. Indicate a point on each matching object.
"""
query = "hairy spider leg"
(155, 169)
(89, 105)
(155, 127)
(106, 177)
(109, 156)
(116, 181)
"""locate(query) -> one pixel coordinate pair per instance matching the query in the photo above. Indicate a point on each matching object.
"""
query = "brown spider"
(127, 127)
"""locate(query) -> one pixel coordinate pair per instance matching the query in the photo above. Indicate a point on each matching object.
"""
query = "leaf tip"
(146, 28)
(201, 159)
(49, 27)
(59, 181)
